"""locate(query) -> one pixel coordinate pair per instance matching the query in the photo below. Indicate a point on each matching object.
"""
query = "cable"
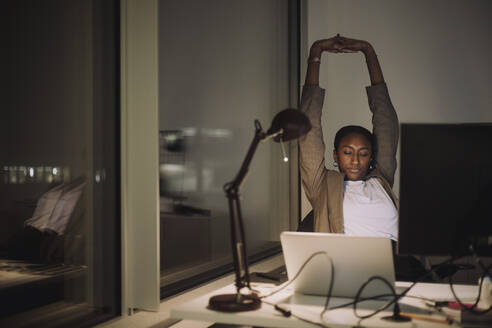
(359, 292)
(358, 298)
(396, 296)
(473, 308)
(299, 272)
(330, 289)
(291, 314)
(288, 313)
(377, 297)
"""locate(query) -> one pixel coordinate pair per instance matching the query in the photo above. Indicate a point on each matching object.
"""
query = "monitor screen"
(445, 189)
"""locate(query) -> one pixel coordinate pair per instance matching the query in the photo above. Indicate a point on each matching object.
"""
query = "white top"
(368, 210)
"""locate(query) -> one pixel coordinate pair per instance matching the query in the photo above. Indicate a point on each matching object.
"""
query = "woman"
(357, 199)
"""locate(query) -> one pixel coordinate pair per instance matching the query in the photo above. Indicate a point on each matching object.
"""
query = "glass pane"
(218, 73)
(59, 230)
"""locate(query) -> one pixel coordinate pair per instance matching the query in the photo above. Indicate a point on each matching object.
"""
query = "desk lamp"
(288, 124)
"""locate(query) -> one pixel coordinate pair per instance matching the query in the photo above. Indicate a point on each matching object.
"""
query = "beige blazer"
(323, 187)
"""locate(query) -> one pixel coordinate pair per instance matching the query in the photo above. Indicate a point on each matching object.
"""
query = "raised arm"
(384, 118)
(312, 147)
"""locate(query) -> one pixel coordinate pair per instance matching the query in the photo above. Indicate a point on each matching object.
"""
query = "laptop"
(355, 260)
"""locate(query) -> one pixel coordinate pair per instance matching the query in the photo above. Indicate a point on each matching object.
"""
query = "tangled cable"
(358, 299)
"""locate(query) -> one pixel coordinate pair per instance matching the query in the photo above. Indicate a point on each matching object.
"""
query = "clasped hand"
(340, 44)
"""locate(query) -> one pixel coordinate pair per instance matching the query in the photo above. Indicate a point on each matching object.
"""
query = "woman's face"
(353, 156)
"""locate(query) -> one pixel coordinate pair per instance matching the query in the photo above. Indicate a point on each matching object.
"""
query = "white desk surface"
(309, 307)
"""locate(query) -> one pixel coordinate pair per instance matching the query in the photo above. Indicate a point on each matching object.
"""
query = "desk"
(309, 307)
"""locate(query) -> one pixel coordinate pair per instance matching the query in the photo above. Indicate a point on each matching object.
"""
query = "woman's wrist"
(314, 59)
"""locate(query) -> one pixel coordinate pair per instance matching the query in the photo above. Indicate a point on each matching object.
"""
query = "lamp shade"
(293, 122)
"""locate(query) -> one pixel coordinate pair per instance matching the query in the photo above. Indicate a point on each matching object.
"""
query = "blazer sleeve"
(385, 129)
(312, 146)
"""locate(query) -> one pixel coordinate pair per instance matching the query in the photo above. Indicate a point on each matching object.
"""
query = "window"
(59, 164)
(222, 64)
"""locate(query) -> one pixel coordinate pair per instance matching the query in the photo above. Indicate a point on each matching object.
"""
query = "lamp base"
(234, 302)
(396, 318)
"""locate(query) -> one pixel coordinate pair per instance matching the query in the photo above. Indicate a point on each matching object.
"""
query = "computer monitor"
(445, 189)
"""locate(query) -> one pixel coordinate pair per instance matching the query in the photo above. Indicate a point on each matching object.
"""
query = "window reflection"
(186, 216)
(58, 229)
(182, 174)
(43, 245)
(209, 112)
(21, 174)
(12, 172)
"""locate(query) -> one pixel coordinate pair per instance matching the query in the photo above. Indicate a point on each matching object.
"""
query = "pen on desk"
(427, 318)
(286, 313)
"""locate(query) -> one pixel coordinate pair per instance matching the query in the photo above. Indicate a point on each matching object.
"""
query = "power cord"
(358, 298)
(288, 313)
(473, 309)
(396, 297)
(361, 289)
(299, 272)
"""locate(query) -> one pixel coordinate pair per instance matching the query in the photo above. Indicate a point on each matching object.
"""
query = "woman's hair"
(350, 129)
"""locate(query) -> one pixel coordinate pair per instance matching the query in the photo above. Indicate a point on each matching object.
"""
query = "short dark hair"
(350, 129)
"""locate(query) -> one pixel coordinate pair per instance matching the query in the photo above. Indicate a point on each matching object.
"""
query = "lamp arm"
(234, 185)
(287, 125)
(231, 189)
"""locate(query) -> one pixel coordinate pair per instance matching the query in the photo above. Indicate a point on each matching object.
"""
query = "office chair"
(307, 224)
